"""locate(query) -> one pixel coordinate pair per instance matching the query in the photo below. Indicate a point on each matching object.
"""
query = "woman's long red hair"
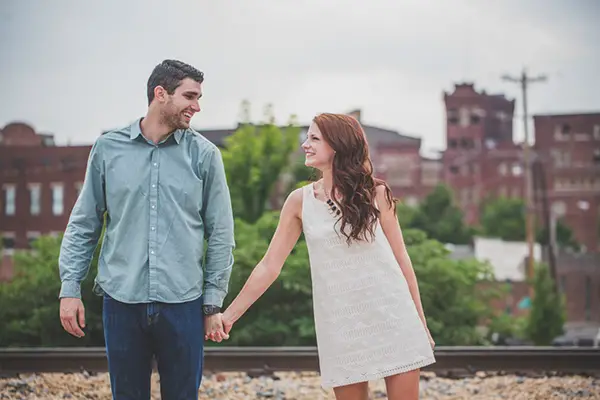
(354, 186)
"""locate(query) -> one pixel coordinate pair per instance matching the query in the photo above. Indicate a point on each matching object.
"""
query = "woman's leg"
(404, 386)
(355, 391)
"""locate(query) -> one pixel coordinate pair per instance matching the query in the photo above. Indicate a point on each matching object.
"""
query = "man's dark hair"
(169, 75)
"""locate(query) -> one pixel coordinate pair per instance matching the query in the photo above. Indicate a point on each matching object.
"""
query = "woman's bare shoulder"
(293, 202)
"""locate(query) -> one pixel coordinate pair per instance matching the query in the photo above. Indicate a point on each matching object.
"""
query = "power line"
(524, 81)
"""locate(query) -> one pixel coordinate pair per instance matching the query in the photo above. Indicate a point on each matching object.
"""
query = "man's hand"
(213, 328)
(72, 316)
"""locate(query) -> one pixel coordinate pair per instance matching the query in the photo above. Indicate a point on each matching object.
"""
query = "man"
(160, 189)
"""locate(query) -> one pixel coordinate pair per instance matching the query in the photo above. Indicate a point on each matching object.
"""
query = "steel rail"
(571, 360)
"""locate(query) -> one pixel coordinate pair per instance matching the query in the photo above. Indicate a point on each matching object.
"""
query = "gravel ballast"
(305, 386)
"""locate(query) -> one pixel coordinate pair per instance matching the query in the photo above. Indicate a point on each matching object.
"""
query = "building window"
(588, 298)
(452, 116)
(596, 157)
(517, 170)
(502, 116)
(597, 132)
(464, 117)
(8, 242)
(32, 237)
(561, 158)
(430, 173)
(467, 143)
(502, 169)
(10, 193)
(562, 132)
(34, 198)
(57, 199)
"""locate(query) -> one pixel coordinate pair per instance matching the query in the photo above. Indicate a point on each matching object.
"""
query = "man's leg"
(179, 342)
(129, 349)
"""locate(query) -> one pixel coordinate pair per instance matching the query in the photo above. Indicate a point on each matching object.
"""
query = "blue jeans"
(171, 333)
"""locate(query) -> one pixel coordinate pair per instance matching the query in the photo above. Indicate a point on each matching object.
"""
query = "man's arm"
(218, 221)
(83, 229)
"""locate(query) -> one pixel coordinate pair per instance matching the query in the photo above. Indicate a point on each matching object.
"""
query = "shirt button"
(151, 251)
(152, 205)
(152, 228)
(153, 185)
(155, 164)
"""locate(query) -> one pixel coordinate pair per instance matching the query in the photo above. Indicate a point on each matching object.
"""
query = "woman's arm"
(268, 269)
(391, 229)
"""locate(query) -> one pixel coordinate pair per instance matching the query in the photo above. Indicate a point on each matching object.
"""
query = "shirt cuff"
(70, 289)
(214, 297)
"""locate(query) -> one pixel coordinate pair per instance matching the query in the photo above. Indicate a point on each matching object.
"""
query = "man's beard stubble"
(173, 120)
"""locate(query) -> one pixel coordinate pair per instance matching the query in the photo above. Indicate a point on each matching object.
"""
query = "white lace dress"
(366, 322)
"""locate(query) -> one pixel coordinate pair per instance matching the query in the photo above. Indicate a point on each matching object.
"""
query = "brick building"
(569, 147)
(481, 158)
(40, 183)
(579, 279)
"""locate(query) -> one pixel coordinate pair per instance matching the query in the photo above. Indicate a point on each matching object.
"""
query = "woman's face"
(318, 152)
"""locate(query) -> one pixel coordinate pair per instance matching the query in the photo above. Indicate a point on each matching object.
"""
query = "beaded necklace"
(333, 209)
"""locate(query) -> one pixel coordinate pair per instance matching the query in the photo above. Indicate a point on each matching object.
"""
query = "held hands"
(217, 327)
(72, 316)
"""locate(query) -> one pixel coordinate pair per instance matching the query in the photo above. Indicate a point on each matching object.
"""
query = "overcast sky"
(75, 68)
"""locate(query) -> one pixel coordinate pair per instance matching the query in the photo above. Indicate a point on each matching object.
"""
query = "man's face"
(179, 108)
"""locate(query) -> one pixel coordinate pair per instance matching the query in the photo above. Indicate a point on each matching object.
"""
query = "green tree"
(406, 215)
(548, 314)
(30, 305)
(504, 218)
(254, 158)
(453, 301)
(440, 219)
(564, 236)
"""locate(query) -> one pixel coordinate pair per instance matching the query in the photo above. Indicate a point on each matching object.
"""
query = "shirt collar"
(136, 130)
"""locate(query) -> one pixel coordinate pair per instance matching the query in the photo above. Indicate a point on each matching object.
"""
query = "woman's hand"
(227, 322)
(431, 341)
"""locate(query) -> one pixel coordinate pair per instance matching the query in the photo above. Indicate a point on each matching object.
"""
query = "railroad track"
(575, 360)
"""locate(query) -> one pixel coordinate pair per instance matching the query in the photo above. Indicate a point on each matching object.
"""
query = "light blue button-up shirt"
(161, 202)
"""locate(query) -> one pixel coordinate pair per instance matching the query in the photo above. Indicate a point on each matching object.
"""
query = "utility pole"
(523, 81)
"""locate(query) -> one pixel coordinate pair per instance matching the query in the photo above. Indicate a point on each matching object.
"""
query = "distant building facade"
(40, 183)
(568, 146)
(481, 159)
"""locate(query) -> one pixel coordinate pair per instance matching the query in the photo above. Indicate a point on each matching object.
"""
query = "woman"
(368, 316)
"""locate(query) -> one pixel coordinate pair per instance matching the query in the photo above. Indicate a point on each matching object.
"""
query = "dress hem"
(379, 374)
